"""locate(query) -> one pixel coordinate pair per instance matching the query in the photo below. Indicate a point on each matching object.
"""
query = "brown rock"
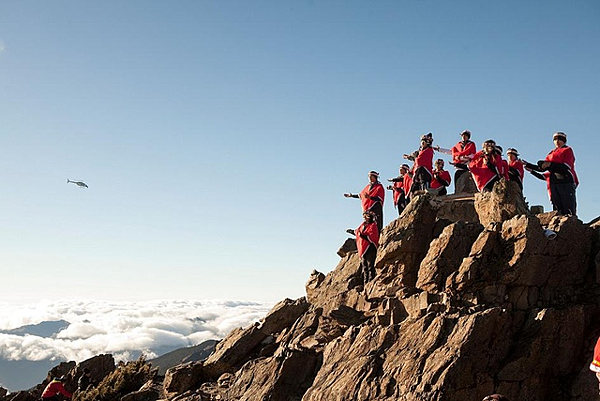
(504, 202)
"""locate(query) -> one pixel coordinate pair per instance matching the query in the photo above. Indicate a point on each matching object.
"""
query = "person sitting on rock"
(400, 198)
(515, 167)
(372, 197)
(423, 167)
(54, 388)
(485, 166)
(441, 179)
(462, 153)
(367, 242)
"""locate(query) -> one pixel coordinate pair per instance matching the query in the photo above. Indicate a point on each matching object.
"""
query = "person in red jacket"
(400, 198)
(407, 185)
(441, 179)
(423, 167)
(559, 171)
(515, 167)
(485, 166)
(462, 153)
(54, 388)
(595, 365)
(367, 242)
(372, 197)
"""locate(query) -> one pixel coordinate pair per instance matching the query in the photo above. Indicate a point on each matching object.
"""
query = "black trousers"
(421, 179)
(378, 210)
(563, 198)
(367, 263)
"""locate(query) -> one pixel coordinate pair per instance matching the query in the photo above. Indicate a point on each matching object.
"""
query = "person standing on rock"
(367, 242)
(515, 167)
(462, 153)
(441, 179)
(54, 388)
(423, 167)
(372, 197)
(559, 171)
(486, 166)
(400, 197)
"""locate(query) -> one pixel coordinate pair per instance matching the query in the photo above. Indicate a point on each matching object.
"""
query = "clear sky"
(217, 137)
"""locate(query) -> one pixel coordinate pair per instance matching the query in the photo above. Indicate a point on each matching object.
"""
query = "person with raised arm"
(372, 197)
(399, 194)
(558, 168)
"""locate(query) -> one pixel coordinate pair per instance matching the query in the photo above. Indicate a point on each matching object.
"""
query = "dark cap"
(466, 132)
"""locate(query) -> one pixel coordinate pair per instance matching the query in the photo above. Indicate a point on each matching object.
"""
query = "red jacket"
(564, 155)
(485, 168)
(372, 194)
(371, 232)
(424, 159)
(463, 149)
(398, 189)
(443, 175)
(516, 167)
(53, 388)
(407, 184)
(595, 365)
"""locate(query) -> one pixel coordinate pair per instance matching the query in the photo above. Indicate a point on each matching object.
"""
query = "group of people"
(475, 171)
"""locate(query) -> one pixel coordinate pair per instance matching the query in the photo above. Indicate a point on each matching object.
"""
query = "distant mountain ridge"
(45, 329)
(183, 355)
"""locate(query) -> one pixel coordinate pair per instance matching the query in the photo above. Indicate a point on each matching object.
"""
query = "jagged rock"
(282, 377)
(100, 366)
(457, 208)
(181, 378)
(237, 347)
(504, 202)
(445, 255)
(458, 310)
(349, 246)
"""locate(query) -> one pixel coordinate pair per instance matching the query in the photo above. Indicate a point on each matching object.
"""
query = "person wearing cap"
(367, 242)
(485, 166)
(372, 197)
(462, 153)
(595, 365)
(423, 163)
(515, 167)
(561, 178)
(441, 179)
(400, 198)
(54, 388)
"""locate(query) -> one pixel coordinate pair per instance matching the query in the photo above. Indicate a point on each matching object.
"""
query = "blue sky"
(217, 137)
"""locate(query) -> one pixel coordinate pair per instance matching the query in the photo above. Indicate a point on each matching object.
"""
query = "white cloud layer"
(121, 328)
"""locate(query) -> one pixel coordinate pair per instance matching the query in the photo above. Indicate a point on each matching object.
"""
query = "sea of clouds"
(121, 328)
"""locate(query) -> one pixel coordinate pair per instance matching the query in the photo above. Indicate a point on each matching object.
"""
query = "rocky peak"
(473, 296)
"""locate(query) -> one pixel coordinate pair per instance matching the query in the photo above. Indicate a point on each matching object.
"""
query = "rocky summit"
(472, 297)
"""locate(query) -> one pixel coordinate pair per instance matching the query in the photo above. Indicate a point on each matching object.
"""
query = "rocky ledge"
(472, 297)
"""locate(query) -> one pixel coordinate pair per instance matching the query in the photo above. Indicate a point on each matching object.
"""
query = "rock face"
(461, 308)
